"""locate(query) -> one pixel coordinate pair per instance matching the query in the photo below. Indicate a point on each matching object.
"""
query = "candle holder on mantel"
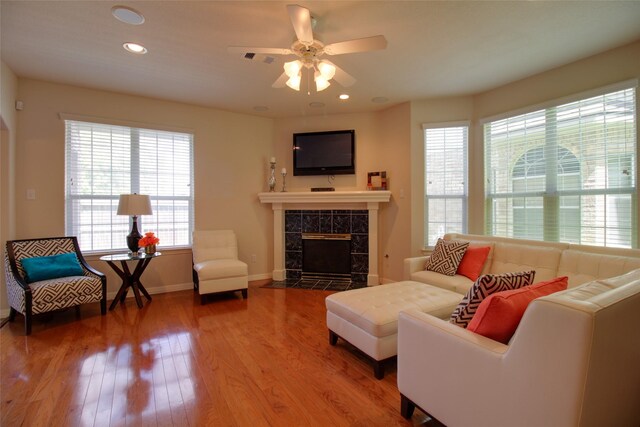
(284, 184)
(272, 177)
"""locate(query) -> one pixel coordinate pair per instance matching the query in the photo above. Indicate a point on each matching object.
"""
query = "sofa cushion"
(473, 261)
(485, 286)
(583, 267)
(499, 314)
(375, 309)
(457, 283)
(220, 269)
(510, 257)
(51, 267)
(446, 257)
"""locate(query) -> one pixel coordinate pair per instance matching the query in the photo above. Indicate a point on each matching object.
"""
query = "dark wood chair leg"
(378, 369)
(244, 293)
(12, 314)
(406, 407)
(27, 323)
(103, 306)
(196, 281)
(203, 299)
(333, 338)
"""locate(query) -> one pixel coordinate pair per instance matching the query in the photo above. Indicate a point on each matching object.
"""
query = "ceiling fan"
(310, 51)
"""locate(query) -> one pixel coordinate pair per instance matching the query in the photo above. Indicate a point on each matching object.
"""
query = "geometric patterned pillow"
(446, 257)
(485, 286)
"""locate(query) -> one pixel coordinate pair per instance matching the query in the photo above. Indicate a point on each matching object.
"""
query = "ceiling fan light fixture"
(294, 82)
(292, 68)
(321, 82)
(326, 70)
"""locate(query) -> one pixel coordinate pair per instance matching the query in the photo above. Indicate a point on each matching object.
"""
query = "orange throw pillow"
(499, 314)
(473, 261)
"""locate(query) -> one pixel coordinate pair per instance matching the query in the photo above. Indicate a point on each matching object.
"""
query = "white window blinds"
(565, 173)
(445, 149)
(104, 161)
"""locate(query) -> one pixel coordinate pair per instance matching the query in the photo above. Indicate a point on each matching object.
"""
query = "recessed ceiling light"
(316, 104)
(260, 108)
(379, 99)
(127, 15)
(135, 48)
(343, 96)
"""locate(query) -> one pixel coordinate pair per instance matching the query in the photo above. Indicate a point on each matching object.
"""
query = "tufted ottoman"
(368, 317)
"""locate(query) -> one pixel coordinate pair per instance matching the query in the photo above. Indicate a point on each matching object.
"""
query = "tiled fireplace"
(343, 222)
(343, 212)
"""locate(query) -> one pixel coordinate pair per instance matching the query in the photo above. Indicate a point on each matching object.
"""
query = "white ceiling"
(435, 48)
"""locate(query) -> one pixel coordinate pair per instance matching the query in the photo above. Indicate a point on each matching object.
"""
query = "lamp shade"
(294, 82)
(321, 82)
(134, 204)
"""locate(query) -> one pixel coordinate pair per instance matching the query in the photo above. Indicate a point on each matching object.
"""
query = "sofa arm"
(438, 360)
(411, 265)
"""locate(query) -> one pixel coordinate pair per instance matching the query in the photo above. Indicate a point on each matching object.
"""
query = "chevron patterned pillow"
(446, 257)
(485, 286)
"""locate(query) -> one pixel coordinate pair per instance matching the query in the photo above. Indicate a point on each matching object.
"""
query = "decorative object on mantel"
(377, 181)
(149, 242)
(272, 176)
(284, 175)
(134, 205)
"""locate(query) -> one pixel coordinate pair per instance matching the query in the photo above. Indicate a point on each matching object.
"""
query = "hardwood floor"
(264, 361)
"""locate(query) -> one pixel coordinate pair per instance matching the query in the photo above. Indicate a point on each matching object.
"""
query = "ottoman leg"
(378, 369)
(333, 337)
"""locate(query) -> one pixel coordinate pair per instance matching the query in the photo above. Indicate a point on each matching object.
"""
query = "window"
(565, 173)
(445, 149)
(104, 161)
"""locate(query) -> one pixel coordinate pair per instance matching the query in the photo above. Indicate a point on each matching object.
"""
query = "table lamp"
(134, 205)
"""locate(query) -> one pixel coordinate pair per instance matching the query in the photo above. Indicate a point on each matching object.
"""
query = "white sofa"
(580, 263)
(573, 360)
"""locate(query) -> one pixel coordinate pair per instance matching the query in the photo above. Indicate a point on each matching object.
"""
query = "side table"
(129, 279)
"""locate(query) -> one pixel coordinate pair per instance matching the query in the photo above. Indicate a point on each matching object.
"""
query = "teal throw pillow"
(51, 267)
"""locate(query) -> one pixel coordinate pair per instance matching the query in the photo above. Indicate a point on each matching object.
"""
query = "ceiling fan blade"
(266, 50)
(281, 82)
(341, 76)
(357, 45)
(301, 20)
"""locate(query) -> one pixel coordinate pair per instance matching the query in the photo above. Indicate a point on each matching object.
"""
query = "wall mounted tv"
(324, 153)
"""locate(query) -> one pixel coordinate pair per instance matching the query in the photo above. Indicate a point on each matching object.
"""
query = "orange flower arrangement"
(148, 239)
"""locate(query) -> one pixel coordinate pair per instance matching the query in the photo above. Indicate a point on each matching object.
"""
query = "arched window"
(530, 179)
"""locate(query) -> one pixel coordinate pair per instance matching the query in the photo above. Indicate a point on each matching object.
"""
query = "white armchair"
(216, 267)
(573, 361)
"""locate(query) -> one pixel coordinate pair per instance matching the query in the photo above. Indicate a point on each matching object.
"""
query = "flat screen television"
(324, 153)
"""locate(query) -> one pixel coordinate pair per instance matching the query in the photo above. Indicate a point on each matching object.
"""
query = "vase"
(272, 177)
(150, 249)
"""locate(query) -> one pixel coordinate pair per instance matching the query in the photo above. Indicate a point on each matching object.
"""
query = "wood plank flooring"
(264, 361)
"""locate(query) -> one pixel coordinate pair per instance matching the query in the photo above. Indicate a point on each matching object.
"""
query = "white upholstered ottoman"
(368, 317)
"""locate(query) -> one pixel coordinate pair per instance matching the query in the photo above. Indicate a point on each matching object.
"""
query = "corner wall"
(230, 157)
(8, 128)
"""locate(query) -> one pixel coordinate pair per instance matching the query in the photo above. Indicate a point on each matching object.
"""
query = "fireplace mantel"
(280, 201)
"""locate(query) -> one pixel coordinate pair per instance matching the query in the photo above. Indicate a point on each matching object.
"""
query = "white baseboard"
(262, 276)
(157, 290)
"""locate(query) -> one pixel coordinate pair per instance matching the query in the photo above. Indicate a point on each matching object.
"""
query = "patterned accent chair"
(53, 294)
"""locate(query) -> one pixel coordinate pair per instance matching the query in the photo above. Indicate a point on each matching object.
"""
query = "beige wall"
(381, 145)
(230, 154)
(611, 67)
(8, 125)
(232, 151)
